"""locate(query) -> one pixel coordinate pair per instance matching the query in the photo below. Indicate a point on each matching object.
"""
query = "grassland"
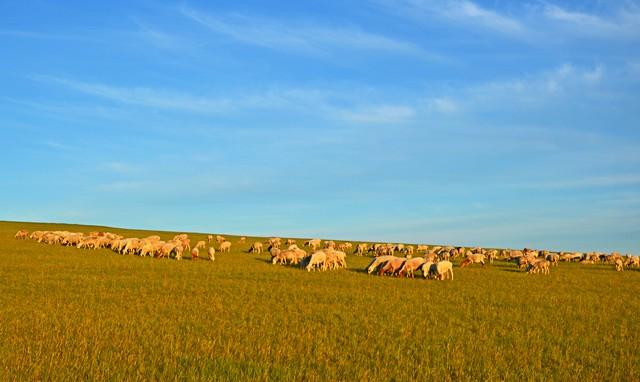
(70, 314)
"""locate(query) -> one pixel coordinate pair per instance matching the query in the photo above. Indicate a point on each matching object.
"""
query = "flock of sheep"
(390, 259)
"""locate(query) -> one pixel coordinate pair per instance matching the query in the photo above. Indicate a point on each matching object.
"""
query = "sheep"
(274, 252)
(287, 256)
(291, 242)
(316, 260)
(376, 262)
(619, 265)
(410, 266)
(22, 234)
(422, 248)
(200, 245)
(225, 246)
(553, 259)
(220, 239)
(178, 250)
(392, 266)
(442, 270)
(361, 249)
(539, 266)
(209, 238)
(632, 261)
(212, 253)
(426, 268)
(473, 258)
(256, 247)
(409, 249)
(335, 259)
(195, 253)
(313, 243)
(491, 255)
(242, 239)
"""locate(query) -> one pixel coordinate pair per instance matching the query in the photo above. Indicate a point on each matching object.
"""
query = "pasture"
(72, 314)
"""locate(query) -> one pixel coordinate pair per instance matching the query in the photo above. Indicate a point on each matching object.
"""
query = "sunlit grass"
(77, 314)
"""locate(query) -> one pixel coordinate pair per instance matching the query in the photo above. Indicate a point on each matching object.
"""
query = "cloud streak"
(306, 38)
(462, 13)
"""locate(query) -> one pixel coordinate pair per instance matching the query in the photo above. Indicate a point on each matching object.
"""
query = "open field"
(71, 314)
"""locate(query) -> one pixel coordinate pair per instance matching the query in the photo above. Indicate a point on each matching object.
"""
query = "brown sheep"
(361, 249)
(22, 234)
(410, 266)
(377, 262)
(256, 247)
(392, 266)
(473, 258)
(225, 246)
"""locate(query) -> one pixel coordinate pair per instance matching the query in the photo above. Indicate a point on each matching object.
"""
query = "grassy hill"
(69, 314)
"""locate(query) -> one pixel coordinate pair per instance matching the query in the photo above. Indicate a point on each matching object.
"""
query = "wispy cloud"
(332, 103)
(378, 114)
(624, 23)
(462, 13)
(142, 96)
(619, 180)
(301, 37)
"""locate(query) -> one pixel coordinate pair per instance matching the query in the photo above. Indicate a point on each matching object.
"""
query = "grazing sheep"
(212, 253)
(209, 238)
(539, 266)
(256, 247)
(361, 249)
(293, 256)
(553, 259)
(195, 253)
(376, 262)
(225, 246)
(473, 258)
(22, 234)
(442, 270)
(242, 239)
(422, 248)
(392, 266)
(200, 245)
(220, 239)
(619, 265)
(330, 244)
(178, 250)
(335, 259)
(410, 266)
(313, 243)
(291, 242)
(317, 260)
(632, 261)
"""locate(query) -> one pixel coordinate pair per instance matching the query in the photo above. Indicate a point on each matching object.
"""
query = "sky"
(490, 123)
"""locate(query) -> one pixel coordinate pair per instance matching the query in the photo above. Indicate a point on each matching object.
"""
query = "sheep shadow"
(512, 270)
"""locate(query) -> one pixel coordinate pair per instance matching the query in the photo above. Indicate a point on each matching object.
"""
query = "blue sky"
(493, 123)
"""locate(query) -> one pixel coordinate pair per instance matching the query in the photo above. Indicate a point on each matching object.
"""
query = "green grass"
(70, 314)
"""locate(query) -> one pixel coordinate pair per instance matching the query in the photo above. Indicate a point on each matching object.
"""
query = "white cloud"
(604, 181)
(625, 23)
(378, 114)
(463, 13)
(142, 96)
(301, 37)
(442, 105)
